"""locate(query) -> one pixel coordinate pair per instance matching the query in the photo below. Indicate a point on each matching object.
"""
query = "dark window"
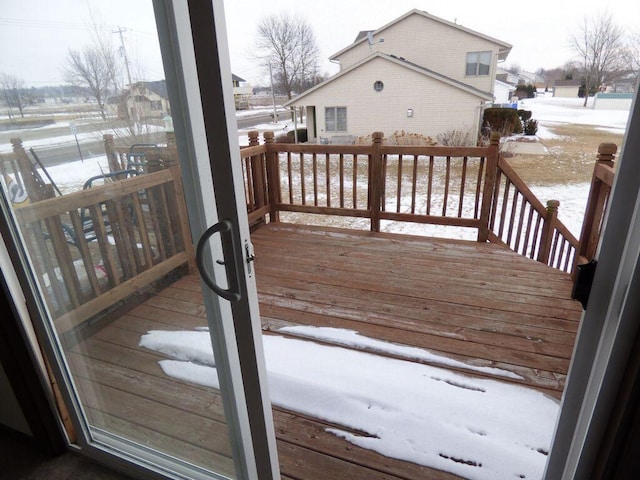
(478, 63)
(335, 119)
(378, 86)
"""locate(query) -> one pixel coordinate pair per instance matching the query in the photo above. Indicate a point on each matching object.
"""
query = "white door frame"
(609, 325)
(204, 120)
(211, 116)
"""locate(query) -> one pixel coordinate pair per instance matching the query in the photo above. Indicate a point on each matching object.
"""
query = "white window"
(335, 119)
(478, 63)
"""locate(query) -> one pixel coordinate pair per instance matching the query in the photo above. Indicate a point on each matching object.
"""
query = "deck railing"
(601, 183)
(521, 222)
(469, 187)
(139, 229)
(93, 248)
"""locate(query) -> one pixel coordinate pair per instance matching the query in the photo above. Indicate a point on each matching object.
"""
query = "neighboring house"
(150, 100)
(566, 88)
(436, 82)
(624, 84)
(530, 78)
(503, 92)
(242, 92)
(520, 78)
(142, 101)
(507, 76)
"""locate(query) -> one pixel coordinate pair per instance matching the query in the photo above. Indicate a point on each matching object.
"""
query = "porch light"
(409, 112)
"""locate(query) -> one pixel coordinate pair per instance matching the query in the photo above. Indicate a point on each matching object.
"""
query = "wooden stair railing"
(601, 183)
(521, 222)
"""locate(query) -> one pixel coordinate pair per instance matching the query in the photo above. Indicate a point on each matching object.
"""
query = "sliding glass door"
(108, 184)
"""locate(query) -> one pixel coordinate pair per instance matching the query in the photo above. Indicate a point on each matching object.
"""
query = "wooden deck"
(478, 303)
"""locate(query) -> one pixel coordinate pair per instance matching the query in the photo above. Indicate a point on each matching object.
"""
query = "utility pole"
(123, 52)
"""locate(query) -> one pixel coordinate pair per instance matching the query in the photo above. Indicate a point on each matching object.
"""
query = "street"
(59, 154)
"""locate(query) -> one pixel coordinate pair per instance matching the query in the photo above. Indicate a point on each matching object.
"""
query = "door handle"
(224, 226)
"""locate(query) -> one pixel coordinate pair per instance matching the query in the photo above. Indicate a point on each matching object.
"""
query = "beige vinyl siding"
(437, 107)
(431, 44)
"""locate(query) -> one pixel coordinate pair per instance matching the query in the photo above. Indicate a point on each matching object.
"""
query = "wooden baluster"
(112, 156)
(327, 166)
(375, 181)
(273, 177)
(257, 174)
(414, 184)
(548, 228)
(35, 187)
(490, 177)
(341, 167)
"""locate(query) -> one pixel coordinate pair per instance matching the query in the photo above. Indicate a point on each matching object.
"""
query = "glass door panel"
(94, 178)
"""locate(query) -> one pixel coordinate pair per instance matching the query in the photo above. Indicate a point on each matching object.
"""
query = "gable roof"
(567, 83)
(504, 50)
(362, 34)
(159, 87)
(403, 63)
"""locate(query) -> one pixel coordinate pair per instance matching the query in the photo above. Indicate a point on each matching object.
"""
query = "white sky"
(35, 35)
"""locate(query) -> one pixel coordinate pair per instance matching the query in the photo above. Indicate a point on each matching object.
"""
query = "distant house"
(142, 101)
(507, 77)
(521, 78)
(566, 88)
(419, 73)
(148, 100)
(241, 92)
(530, 78)
(503, 92)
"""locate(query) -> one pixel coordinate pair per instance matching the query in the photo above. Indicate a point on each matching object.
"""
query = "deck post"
(548, 227)
(273, 177)
(33, 183)
(112, 155)
(596, 202)
(375, 180)
(488, 191)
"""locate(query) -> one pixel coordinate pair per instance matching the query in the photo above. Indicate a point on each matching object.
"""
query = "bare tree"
(633, 54)
(12, 87)
(289, 46)
(95, 67)
(92, 69)
(600, 46)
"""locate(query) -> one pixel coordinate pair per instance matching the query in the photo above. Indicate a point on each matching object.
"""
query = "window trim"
(335, 110)
(478, 63)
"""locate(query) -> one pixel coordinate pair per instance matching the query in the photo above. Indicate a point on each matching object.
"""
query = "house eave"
(503, 52)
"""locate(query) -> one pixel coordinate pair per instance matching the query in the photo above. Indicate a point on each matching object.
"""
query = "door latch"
(249, 256)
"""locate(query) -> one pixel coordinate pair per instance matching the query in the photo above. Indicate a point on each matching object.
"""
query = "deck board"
(476, 303)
